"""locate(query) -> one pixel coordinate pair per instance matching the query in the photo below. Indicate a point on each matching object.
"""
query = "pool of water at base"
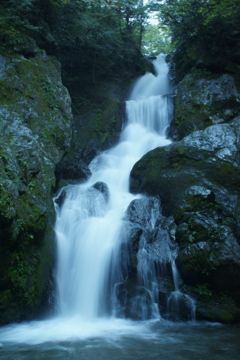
(159, 341)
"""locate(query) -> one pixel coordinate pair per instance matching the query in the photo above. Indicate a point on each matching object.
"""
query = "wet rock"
(97, 117)
(61, 198)
(221, 309)
(170, 225)
(180, 307)
(192, 262)
(103, 188)
(144, 212)
(35, 133)
(72, 171)
(182, 233)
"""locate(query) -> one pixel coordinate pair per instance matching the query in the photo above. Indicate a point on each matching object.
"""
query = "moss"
(30, 212)
(36, 131)
(41, 93)
(97, 119)
(218, 309)
(203, 290)
(45, 254)
(6, 204)
(185, 211)
(195, 269)
(28, 277)
(194, 110)
(226, 174)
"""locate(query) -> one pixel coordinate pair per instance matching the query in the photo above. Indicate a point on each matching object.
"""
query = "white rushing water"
(89, 221)
(88, 228)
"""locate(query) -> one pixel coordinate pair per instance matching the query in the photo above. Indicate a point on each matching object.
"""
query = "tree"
(87, 36)
(155, 41)
(204, 33)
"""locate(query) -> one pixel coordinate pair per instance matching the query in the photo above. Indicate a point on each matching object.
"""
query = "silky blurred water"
(155, 340)
(88, 227)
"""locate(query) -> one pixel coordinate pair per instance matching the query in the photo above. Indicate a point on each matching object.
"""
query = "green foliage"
(203, 290)
(195, 15)
(101, 37)
(203, 31)
(20, 273)
(97, 37)
(20, 224)
(155, 41)
(191, 236)
(216, 9)
(16, 26)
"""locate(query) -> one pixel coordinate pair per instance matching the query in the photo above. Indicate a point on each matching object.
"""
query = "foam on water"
(72, 329)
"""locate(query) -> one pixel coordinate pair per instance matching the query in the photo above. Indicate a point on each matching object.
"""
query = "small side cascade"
(178, 303)
(147, 279)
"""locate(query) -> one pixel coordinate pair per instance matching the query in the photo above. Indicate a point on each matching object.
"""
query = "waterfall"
(97, 225)
(89, 224)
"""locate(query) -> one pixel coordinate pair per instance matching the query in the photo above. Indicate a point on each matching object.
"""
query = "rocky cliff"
(35, 133)
(198, 181)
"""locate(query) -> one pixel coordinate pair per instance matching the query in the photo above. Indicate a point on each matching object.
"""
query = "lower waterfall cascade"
(105, 237)
(92, 225)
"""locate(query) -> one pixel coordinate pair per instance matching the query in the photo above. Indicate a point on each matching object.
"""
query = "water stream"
(91, 218)
(90, 222)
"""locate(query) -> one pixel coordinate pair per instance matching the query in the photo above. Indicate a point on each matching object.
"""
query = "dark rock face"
(72, 171)
(35, 132)
(198, 181)
(97, 122)
(201, 100)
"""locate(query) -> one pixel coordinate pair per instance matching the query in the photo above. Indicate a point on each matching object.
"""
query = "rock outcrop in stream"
(151, 285)
(35, 132)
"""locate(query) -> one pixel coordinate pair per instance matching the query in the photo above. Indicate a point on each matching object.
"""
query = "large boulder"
(198, 181)
(35, 132)
(203, 99)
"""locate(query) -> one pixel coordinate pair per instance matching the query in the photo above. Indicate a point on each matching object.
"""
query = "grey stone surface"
(35, 132)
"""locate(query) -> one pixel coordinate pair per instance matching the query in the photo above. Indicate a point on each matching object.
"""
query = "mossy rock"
(28, 276)
(35, 132)
(219, 308)
(201, 100)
